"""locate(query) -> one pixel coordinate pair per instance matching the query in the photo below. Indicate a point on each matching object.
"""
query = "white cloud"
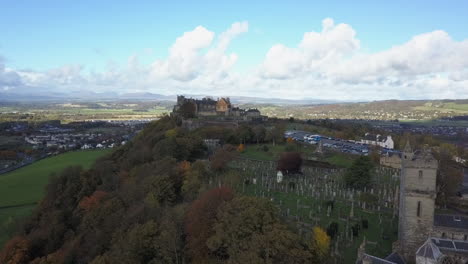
(328, 64)
(186, 61)
(316, 52)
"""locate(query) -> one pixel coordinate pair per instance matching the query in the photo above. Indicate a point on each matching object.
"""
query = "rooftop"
(451, 221)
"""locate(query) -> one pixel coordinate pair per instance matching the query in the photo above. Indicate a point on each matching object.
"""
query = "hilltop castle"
(221, 108)
(424, 236)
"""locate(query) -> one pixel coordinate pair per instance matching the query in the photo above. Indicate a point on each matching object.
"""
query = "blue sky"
(42, 35)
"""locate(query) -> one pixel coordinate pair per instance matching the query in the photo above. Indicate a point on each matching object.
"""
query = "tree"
(290, 162)
(359, 174)
(248, 230)
(199, 221)
(90, 202)
(321, 241)
(241, 148)
(15, 251)
(332, 229)
(245, 134)
(143, 243)
(221, 158)
(260, 133)
(449, 177)
(274, 134)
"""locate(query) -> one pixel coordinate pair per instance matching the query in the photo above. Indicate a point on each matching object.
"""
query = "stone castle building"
(424, 236)
(222, 108)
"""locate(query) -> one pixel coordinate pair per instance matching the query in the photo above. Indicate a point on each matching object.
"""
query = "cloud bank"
(329, 64)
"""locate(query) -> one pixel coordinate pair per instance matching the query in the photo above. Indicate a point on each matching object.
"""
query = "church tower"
(417, 200)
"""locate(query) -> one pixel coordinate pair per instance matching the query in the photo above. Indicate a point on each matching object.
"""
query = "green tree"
(359, 174)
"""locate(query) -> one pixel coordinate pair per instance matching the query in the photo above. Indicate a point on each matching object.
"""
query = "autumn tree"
(90, 202)
(15, 251)
(241, 148)
(221, 158)
(200, 219)
(248, 230)
(321, 241)
(290, 162)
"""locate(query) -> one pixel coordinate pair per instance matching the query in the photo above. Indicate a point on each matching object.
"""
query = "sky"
(333, 50)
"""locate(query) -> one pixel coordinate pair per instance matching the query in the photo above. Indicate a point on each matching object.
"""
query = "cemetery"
(319, 197)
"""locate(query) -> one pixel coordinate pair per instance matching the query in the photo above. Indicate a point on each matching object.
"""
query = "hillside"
(154, 201)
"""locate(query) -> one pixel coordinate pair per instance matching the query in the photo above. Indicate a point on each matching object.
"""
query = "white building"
(378, 140)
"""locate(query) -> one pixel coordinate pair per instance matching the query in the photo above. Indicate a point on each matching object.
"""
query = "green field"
(24, 187)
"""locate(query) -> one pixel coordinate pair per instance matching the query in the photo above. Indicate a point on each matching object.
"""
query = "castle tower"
(417, 200)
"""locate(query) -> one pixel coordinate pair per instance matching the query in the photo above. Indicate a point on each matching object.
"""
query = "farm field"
(22, 188)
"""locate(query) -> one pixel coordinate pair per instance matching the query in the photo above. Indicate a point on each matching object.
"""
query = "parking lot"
(341, 145)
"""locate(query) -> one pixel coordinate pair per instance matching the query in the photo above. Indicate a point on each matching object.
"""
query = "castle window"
(420, 174)
(443, 235)
(419, 209)
(465, 237)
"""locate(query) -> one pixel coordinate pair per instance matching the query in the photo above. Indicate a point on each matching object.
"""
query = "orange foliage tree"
(241, 148)
(220, 158)
(90, 202)
(15, 251)
(200, 218)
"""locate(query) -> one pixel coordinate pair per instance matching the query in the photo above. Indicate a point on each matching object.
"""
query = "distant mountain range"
(239, 100)
(88, 96)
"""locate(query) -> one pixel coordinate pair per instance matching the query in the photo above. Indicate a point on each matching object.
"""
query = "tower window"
(419, 209)
(443, 235)
(420, 174)
(465, 237)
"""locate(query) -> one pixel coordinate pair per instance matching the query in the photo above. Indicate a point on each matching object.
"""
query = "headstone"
(279, 177)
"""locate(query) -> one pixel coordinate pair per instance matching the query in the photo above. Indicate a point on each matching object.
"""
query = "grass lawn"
(24, 187)
(10, 218)
(340, 160)
(257, 152)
